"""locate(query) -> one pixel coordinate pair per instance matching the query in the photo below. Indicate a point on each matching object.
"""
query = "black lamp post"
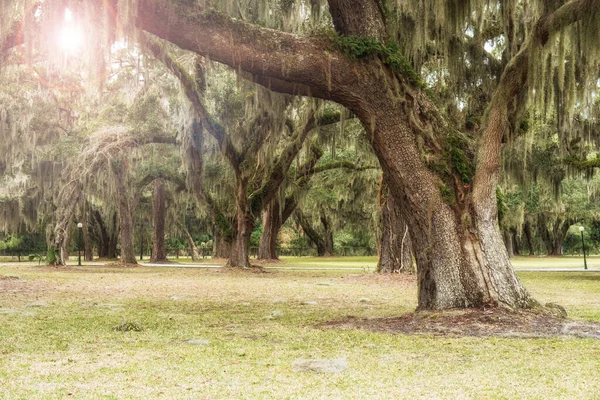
(581, 229)
(80, 226)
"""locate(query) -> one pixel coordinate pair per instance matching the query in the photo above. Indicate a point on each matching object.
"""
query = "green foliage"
(128, 326)
(51, 256)
(460, 157)
(363, 48)
(447, 194)
(37, 257)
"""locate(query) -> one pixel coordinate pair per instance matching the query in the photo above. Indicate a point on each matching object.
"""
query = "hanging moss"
(364, 48)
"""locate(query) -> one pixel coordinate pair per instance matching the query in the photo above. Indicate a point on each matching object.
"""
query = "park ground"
(114, 332)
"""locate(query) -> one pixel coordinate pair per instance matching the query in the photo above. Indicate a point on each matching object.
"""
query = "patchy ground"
(479, 323)
(160, 332)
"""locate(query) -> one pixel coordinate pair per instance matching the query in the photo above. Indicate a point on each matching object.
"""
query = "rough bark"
(159, 211)
(395, 247)
(461, 258)
(358, 18)
(125, 212)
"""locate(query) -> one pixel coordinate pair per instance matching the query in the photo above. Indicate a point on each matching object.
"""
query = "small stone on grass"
(332, 366)
(199, 342)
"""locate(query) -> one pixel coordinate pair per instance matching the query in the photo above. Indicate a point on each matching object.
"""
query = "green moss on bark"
(364, 48)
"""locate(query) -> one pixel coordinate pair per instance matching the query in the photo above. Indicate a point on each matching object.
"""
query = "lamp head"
(80, 225)
(581, 229)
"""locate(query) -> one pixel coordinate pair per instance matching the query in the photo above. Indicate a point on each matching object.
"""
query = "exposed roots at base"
(497, 322)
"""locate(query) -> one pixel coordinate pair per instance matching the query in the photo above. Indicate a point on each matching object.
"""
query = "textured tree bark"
(395, 247)
(125, 217)
(159, 211)
(267, 249)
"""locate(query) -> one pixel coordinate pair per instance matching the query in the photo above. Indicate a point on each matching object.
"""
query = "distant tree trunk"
(113, 238)
(87, 243)
(273, 227)
(395, 247)
(328, 235)
(554, 237)
(64, 245)
(193, 249)
(515, 241)
(221, 242)
(104, 238)
(125, 217)
(240, 250)
(159, 253)
(267, 248)
(324, 246)
(529, 237)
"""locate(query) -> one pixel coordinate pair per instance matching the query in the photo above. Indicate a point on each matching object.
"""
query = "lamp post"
(581, 229)
(80, 226)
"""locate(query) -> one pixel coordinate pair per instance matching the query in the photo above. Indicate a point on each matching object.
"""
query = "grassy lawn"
(57, 337)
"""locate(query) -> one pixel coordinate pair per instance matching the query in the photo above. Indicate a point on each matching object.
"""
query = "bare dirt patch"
(393, 279)
(254, 269)
(480, 323)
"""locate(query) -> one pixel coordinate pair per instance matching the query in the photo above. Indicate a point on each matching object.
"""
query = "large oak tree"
(450, 207)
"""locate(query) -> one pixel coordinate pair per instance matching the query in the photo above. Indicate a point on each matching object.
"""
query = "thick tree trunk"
(395, 247)
(529, 237)
(240, 250)
(461, 257)
(452, 215)
(267, 248)
(159, 253)
(125, 217)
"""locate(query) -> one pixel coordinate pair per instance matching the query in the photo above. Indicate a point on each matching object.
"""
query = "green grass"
(57, 338)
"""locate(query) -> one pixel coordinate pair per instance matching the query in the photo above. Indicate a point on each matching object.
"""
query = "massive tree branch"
(273, 57)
